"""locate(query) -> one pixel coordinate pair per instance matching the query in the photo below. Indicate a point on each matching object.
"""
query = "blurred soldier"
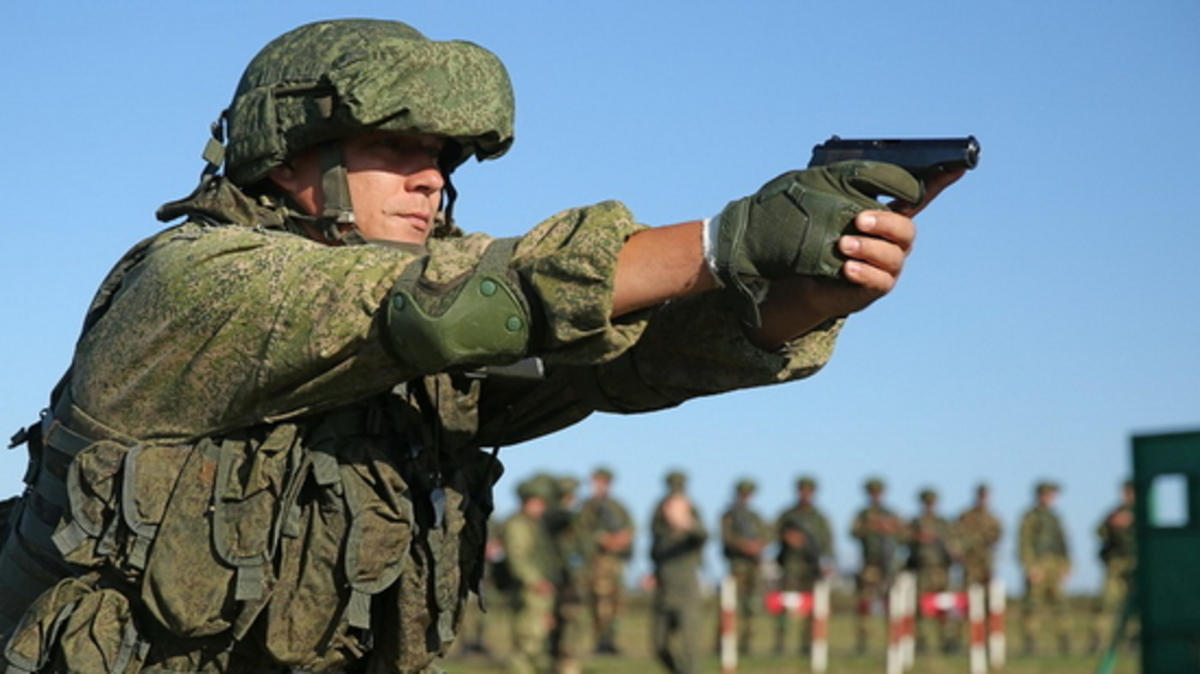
(474, 623)
(978, 532)
(608, 528)
(1118, 551)
(1047, 563)
(931, 552)
(878, 531)
(805, 554)
(744, 535)
(562, 523)
(678, 535)
(531, 563)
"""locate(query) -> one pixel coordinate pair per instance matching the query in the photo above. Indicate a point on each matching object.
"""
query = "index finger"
(933, 187)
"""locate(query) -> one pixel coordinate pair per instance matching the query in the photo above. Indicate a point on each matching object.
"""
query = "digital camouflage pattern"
(245, 362)
(744, 536)
(1046, 562)
(331, 79)
(805, 549)
(239, 472)
(978, 532)
(609, 531)
(533, 563)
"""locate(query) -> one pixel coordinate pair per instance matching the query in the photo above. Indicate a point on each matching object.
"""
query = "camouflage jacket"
(1117, 543)
(817, 544)
(741, 525)
(600, 516)
(978, 532)
(931, 543)
(879, 531)
(231, 385)
(1042, 537)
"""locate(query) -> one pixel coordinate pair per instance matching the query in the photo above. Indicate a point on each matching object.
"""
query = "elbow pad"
(480, 318)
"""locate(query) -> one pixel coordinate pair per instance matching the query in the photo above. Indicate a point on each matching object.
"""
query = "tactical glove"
(791, 226)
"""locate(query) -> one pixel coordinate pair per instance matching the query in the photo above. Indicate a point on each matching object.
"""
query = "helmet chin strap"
(336, 222)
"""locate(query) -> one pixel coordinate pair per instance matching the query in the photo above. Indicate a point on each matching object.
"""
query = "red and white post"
(977, 618)
(901, 609)
(820, 627)
(996, 642)
(729, 627)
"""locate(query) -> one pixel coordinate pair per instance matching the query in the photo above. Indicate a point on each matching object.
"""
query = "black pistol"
(922, 157)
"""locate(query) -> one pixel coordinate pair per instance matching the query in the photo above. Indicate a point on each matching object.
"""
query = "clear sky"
(1050, 310)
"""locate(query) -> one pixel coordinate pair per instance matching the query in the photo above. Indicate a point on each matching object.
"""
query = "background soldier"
(531, 563)
(878, 531)
(744, 535)
(1047, 563)
(678, 536)
(608, 528)
(805, 554)
(562, 523)
(931, 552)
(978, 532)
(1118, 551)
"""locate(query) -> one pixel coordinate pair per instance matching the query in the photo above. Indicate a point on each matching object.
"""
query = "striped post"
(908, 598)
(977, 617)
(895, 624)
(729, 636)
(996, 643)
(820, 627)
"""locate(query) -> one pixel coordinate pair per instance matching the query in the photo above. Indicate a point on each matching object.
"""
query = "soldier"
(532, 563)
(932, 550)
(609, 529)
(1118, 552)
(1047, 563)
(879, 532)
(562, 523)
(978, 531)
(678, 535)
(306, 343)
(744, 536)
(805, 554)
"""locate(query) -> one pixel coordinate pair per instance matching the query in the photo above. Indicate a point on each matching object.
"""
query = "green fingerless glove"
(790, 227)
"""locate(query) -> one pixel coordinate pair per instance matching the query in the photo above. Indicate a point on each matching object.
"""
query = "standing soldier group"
(559, 561)
(567, 563)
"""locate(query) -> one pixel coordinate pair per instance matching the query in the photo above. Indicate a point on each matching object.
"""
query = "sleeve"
(228, 327)
(519, 544)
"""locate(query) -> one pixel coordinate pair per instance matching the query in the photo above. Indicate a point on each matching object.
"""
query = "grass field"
(634, 642)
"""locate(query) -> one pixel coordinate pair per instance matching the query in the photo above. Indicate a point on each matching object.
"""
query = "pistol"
(922, 157)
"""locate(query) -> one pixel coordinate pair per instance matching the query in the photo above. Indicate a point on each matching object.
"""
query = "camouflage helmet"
(566, 484)
(603, 473)
(745, 486)
(332, 79)
(539, 486)
(1047, 487)
(676, 480)
(873, 485)
(806, 482)
(927, 495)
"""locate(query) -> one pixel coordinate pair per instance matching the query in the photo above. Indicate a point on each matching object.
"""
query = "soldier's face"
(395, 184)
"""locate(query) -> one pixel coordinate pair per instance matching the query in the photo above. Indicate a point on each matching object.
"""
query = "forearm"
(667, 263)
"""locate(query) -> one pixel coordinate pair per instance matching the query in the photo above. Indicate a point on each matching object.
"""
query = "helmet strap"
(338, 210)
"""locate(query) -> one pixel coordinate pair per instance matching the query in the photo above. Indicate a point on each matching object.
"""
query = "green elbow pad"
(482, 319)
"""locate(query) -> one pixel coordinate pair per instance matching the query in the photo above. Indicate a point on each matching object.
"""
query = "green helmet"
(332, 79)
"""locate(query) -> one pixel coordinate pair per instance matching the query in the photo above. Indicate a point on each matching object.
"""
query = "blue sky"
(1050, 310)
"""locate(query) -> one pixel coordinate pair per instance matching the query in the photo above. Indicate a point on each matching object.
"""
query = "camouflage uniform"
(978, 532)
(932, 550)
(879, 532)
(1118, 552)
(805, 551)
(562, 524)
(532, 561)
(257, 461)
(1046, 561)
(604, 519)
(744, 534)
(677, 553)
